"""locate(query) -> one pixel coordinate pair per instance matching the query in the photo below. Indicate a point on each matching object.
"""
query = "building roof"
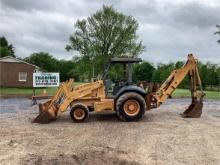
(11, 59)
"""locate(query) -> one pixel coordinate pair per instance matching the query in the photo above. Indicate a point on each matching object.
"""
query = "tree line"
(6, 49)
(209, 73)
(82, 71)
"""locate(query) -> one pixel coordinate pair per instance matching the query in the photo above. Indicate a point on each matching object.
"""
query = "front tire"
(79, 112)
(130, 106)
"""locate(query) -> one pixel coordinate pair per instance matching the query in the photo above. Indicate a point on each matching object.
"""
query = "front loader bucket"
(44, 106)
(194, 110)
(47, 115)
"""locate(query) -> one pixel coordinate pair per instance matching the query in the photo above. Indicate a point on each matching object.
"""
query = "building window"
(22, 76)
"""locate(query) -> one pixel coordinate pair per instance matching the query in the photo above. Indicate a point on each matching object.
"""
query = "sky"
(170, 29)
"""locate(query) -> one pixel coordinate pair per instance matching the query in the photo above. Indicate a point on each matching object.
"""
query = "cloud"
(169, 29)
(200, 15)
(26, 5)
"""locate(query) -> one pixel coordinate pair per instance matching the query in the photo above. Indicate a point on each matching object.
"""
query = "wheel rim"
(79, 114)
(131, 107)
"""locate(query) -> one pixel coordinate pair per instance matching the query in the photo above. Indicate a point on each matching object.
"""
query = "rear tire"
(130, 106)
(79, 112)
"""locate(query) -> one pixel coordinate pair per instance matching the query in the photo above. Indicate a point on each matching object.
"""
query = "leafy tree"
(116, 73)
(209, 74)
(179, 64)
(5, 48)
(203, 72)
(82, 70)
(143, 71)
(218, 32)
(105, 34)
(162, 72)
(43, 60)
(79, 69)
(65, 68)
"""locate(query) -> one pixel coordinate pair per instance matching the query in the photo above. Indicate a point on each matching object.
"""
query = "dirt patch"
(161, 137)
(98, 155)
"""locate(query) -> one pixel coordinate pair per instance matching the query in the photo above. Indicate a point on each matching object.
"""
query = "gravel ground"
(162, 137)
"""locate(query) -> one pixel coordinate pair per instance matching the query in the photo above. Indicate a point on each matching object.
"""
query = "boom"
(175, 78)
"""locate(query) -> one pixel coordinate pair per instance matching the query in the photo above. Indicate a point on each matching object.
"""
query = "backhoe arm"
(175, 78)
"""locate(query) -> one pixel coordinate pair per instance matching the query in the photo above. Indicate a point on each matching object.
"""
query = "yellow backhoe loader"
(129, 101)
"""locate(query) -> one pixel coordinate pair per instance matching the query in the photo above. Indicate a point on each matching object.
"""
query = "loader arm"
(65, 95)
(57, 95)
(173, 81)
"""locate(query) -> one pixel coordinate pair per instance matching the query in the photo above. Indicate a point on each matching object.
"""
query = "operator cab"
(119, 65)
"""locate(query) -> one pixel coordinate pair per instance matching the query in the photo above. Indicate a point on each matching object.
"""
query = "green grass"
(25, 91)
(29, 91)
(52, 90)
(186, 93)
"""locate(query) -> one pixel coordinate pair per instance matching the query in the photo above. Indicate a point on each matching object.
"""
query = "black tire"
(121, 109)
(83, 109)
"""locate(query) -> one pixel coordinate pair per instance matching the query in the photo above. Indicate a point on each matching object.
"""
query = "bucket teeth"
(43, 118)
(194, 110)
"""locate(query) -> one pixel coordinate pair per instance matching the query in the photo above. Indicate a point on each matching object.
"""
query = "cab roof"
(125, 60)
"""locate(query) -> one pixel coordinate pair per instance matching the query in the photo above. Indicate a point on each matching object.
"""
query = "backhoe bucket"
(194, 110)
(46, 115)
